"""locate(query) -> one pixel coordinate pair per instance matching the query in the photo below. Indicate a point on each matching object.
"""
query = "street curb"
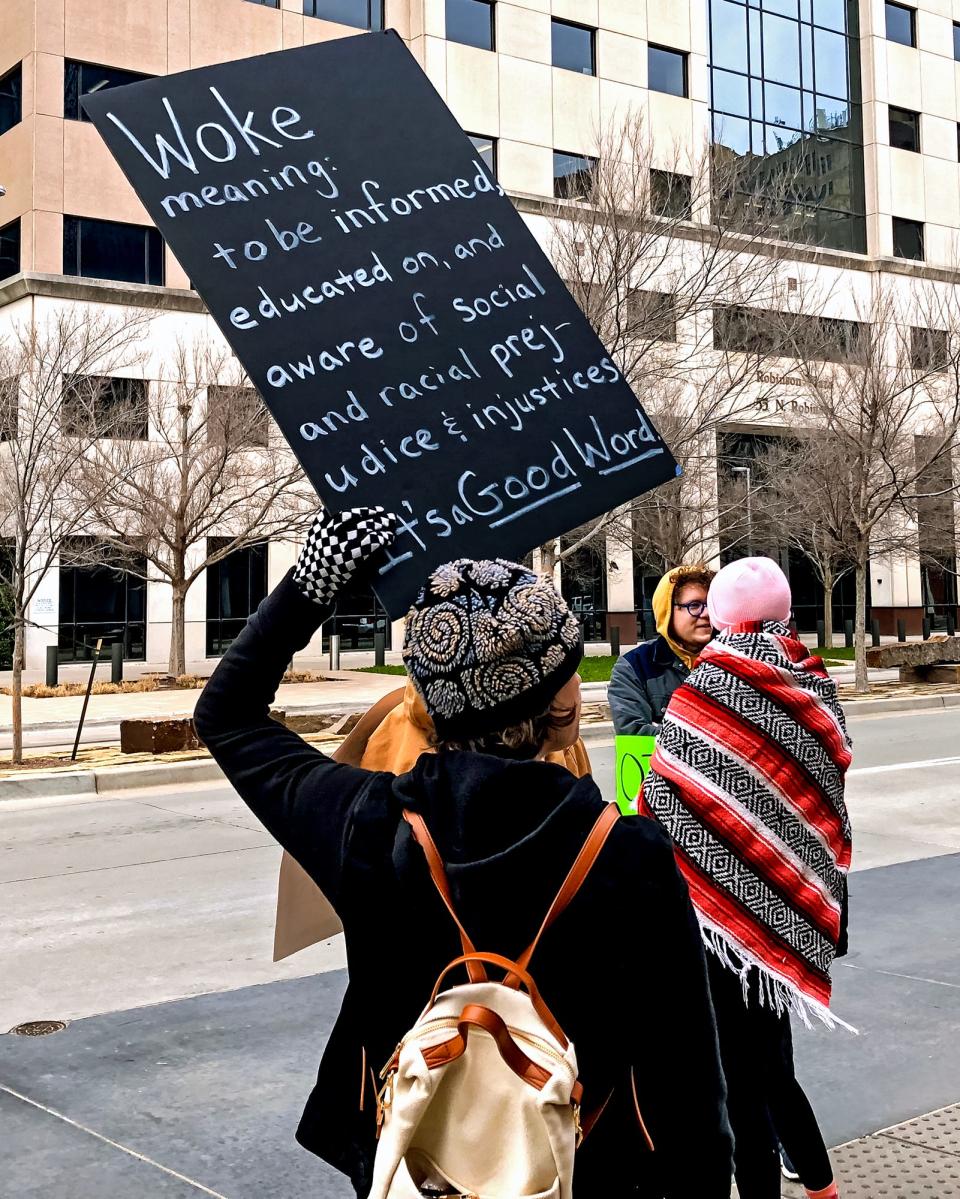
(69, 784)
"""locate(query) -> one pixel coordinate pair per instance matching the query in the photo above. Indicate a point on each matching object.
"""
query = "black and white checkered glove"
(337, 545)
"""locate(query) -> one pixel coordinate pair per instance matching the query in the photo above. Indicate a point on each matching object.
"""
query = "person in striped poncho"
(748, 780)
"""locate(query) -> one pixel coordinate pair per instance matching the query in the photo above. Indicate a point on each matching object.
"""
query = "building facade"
(859, 103)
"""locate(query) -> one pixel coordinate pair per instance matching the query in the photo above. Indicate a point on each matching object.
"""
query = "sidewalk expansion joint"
(92, 1132)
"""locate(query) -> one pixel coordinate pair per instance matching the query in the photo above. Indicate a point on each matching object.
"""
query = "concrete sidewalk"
(340, 690)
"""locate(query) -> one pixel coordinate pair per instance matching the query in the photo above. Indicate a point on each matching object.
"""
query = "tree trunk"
(16, 691)
(861, 685)
(177, 664)
(548, 558)
(828, 585)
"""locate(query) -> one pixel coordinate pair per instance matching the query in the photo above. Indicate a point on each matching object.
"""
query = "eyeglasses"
(696, 608)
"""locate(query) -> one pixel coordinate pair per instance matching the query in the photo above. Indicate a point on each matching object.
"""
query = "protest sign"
(633, 765)
(408, 334)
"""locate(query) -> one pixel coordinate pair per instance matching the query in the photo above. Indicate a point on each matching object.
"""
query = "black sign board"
(410, 337)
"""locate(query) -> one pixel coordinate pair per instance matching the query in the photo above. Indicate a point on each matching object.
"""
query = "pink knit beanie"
(748, 589)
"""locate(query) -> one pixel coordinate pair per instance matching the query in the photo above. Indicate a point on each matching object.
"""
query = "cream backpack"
(481, 1100)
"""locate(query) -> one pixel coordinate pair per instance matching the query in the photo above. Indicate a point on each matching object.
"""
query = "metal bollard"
(334, 651)
(821, 632)
(615, 641)
(848, 633)
(901, 629)
(53, 665)
(926, 628)
(875, 631)
(116, 662)
(379, 649)
(951, 624)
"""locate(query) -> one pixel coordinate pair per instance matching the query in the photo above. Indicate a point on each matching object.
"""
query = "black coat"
(623, 968)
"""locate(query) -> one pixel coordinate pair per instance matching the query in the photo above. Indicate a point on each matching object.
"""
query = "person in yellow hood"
(643, 680)
(389, 736)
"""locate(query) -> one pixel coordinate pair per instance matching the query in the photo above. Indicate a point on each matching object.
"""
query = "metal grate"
(38, 1028)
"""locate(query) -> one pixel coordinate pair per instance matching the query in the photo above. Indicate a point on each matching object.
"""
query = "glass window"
(757, 331)
(361, 14)
(730, 93)
(110, 250)
(904, 129)
(667, 70)
(10, 249)
(901, 24)
(907, 238)
(237, 417)
(782, 106)
(781, 50)
(728, 35)
(573, 47)
(105, 406)
(359, 617)
(670, 195)
(732, 133)
(486, 148)
(830, 63)
(236, 585)
(470, 22)
(11, 99)
(929, 349)
(101, 596)
(9, 409)
(572, 175)
(652, 315)
(830, 13)
(84, 78)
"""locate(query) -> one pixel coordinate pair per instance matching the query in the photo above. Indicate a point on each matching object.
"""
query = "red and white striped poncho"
(748, 780)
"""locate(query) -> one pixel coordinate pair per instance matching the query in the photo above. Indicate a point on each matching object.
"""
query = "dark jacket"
(641, 684)
(623, 969)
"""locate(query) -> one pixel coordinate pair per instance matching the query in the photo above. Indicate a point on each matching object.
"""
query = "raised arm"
(302, 797)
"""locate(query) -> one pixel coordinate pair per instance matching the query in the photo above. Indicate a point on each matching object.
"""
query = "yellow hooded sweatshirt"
(662, 604)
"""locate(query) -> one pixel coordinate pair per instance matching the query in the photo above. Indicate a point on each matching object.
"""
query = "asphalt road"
(146, 921)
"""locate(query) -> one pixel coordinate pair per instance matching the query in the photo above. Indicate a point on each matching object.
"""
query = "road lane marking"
(894, 766)
(140, 1157)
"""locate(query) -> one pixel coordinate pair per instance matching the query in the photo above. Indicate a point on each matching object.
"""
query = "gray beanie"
(488, 644)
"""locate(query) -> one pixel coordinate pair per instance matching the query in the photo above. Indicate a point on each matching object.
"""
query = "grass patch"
(380, 669)
(838, 653)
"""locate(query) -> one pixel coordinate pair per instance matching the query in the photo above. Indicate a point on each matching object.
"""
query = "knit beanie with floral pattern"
(488, 644)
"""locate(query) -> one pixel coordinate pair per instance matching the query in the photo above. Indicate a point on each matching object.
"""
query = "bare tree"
(803, 504)
(212, 477)
(662, 254)
(884, 394)
(54, 375)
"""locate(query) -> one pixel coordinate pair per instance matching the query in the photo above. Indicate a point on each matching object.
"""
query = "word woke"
(217, 141)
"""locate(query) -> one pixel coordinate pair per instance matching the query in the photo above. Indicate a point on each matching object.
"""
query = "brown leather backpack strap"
(418, 826)
(575, 879)
(513, 968)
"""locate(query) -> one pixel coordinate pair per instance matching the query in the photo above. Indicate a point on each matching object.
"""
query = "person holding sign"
(748, 780)
(643, 680)
(492, 650)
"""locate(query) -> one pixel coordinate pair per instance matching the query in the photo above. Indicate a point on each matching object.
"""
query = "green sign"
(633, 763)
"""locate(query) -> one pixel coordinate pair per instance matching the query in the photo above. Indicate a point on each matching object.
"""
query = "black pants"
(765, 1102)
